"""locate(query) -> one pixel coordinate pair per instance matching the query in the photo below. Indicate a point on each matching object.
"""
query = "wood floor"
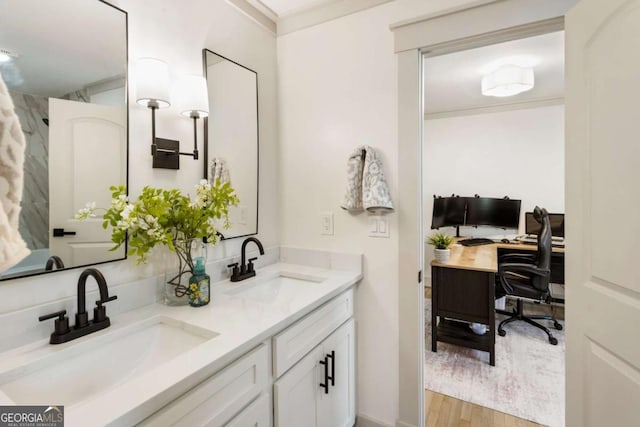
(446, 411)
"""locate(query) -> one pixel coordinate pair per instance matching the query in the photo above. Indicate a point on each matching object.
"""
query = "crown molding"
(497, 108)
(439, 14)
(322, 13)
(258, 13)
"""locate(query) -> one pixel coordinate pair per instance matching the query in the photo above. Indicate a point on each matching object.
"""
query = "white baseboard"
(402, 424)
(365, 421)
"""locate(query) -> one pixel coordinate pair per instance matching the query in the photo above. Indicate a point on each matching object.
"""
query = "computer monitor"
(448, 212)
(500, 213)
(531, 226)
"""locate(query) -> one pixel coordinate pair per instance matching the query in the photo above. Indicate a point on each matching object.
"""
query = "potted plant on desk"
(441, 242)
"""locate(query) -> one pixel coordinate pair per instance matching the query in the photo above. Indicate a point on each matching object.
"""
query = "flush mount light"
(508, 80)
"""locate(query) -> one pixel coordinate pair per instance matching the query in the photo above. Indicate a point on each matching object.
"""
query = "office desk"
(463, 290)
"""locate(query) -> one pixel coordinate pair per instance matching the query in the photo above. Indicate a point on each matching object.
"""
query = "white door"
(602, 208)
(87, 155)
(296, 392)
(337, 408)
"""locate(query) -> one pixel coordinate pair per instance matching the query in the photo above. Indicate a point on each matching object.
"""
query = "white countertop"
(242, 323)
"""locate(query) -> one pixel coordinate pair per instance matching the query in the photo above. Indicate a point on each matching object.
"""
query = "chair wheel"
(553, 341)
(557, 325)
(501, 332)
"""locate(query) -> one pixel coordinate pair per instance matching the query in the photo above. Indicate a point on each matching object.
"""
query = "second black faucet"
(246, 270)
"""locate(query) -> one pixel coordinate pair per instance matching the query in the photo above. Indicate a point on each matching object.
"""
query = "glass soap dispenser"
(199, 285)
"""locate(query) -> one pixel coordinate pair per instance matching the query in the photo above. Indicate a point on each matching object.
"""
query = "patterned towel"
(219, 170)
(366, 185)
(12, 144)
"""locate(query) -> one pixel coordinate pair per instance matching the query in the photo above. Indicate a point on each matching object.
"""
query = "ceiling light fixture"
(507, 80)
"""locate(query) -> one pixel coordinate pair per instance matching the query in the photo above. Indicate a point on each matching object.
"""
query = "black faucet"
(83, 326)
(246, 270)
(53, 260)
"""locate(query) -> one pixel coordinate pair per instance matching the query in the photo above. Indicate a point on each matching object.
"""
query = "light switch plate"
(378, 227)
(326, 223)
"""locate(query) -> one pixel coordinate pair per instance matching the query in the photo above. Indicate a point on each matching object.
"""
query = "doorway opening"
(478, 152)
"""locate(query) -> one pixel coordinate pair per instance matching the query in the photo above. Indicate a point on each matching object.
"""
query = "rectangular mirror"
(66, 71)
(231, 137)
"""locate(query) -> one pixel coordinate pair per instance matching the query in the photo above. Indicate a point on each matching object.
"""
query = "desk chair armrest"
(519, 268)
(530, 258)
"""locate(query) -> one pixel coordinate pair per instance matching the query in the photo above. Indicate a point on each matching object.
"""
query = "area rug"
(527, 381)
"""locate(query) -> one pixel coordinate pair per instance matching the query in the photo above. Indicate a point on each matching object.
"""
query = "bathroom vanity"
(277, 349)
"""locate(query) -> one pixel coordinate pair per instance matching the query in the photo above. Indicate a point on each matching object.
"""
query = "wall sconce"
(153, 91)
(193, 102)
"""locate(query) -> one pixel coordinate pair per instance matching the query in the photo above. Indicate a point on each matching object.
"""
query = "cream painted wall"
(337, 89)
(177, 32)
(519, 153)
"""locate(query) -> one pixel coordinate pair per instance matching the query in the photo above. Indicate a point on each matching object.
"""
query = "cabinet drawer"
(293, 343)
(258, 414)
(216, 400)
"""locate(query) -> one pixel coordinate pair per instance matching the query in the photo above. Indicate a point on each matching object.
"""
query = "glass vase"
(179, 269)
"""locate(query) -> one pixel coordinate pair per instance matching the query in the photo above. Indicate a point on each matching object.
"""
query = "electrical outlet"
(326, 223)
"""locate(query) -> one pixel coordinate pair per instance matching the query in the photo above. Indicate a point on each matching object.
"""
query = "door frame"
(475, 26)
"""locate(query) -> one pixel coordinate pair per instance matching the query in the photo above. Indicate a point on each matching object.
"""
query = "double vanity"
(278, 344)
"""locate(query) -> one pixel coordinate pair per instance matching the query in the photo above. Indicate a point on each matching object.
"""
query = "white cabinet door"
(296, 392)
(337, 408)
(300, 398)
(602, 174)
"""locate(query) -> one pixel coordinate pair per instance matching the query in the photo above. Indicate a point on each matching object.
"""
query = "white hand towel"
(366, 184)
(12, 144)
(219, 170)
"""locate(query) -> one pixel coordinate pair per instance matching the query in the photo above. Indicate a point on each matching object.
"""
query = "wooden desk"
(463, 290)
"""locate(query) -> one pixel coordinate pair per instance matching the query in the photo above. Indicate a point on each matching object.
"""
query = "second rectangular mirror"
(231, 137)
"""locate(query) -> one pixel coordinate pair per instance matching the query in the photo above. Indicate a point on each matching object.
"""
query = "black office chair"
(527, 276)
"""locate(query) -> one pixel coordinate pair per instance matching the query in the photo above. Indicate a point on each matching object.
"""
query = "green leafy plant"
(440, 240)
(168, 218)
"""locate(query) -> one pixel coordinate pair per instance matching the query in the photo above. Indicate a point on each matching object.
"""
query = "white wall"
(177, 32)
(517, 153)
(337, 89)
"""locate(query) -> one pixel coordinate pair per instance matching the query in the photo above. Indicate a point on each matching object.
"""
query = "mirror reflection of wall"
(232, 137)
(66, 73)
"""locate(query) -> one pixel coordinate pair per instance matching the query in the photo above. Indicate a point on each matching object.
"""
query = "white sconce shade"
(192, 96)
(152, 82)
(507, 80)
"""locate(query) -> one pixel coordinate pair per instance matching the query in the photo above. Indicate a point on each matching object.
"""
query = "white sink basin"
(82, 371)
(281, 288)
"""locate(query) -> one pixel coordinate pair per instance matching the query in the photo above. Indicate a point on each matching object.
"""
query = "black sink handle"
(59, 314)
(61, 323)
(250, 267)
(111, 298)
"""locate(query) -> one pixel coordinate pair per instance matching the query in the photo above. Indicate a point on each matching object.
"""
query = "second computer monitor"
(531, 226)
(500, 213)
(448, 212)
